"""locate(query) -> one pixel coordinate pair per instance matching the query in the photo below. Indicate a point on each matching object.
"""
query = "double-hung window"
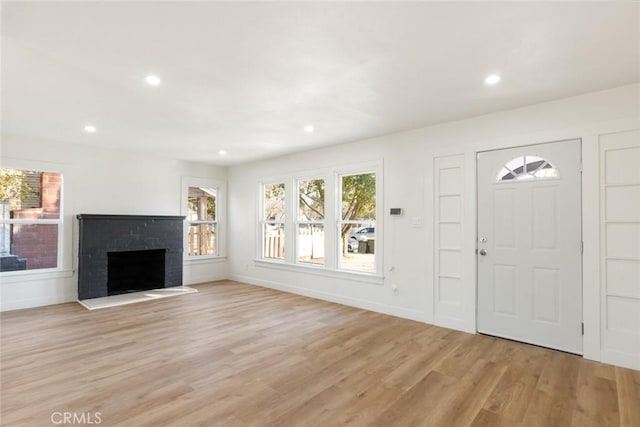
(310, 221)
(203, 205)
(357, 222)
(31, 220)
(331, 221)
(273, 221)
(202, 236)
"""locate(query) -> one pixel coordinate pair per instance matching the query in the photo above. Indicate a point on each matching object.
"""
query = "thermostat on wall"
(395, 211)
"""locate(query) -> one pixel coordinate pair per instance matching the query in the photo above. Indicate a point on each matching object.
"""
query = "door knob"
(483, 252)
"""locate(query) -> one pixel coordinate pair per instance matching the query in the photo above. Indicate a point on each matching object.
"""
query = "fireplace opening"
(134, 271)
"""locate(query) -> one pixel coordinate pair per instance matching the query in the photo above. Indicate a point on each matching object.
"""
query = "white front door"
(530, 244)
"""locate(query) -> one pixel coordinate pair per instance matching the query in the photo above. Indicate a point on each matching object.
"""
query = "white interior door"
(530, 244)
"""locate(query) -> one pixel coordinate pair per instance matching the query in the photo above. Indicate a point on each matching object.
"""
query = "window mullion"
(329, 222)
(290, 227)
(30, 221)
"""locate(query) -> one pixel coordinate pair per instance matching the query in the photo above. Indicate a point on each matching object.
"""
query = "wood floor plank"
(604, 410)
(512, 395)
(239, 355)
(487, 418)
(547, 410)
(462, 405)
(628, 386)
(417, 406)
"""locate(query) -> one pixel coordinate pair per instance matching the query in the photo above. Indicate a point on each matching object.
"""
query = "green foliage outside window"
(14, 188)
(358, 199)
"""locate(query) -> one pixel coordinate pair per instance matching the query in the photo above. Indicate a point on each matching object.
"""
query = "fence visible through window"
(311, 243)
(273, 241)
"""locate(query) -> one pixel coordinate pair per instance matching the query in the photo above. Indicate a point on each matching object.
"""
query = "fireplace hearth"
(128, 253)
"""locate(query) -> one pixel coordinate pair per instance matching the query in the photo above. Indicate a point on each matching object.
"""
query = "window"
(527, 168)
(356, 226)
(203, 206)
(273, 221)
(332, 224)
(31, 219)
(310, 223)
(202, 219)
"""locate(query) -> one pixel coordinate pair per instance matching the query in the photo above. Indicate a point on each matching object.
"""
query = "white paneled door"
(620, 247)
(530, 244)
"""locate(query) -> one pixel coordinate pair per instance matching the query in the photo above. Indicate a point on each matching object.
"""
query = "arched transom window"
(527, 168)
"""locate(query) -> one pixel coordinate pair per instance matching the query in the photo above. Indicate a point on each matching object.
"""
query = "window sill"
(204, 260)
(29, 275)
(321, 271)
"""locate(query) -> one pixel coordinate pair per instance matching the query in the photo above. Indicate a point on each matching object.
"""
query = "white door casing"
(530, 244)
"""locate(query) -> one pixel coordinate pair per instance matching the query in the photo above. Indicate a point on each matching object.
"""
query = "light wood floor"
(235, 354)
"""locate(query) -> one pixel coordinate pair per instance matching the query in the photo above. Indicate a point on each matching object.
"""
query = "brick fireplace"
(128, 253)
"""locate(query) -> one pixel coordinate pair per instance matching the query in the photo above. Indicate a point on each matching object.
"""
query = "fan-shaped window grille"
(525, 168)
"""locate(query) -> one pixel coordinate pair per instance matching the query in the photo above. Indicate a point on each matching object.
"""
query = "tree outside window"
(357, 222)
(351, 244)
(310, 221)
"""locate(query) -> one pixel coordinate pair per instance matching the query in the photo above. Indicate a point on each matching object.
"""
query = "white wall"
(99, 181)
(410, 161)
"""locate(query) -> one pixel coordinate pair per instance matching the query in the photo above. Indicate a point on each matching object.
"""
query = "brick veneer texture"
(100, 234)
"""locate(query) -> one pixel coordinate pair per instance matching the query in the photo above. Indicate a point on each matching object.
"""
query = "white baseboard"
(205, 279)
(626, 360)
(38, 302)
(405, 313)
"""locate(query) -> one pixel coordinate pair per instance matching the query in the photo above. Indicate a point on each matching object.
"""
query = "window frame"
(263, 221)
(361, 170)
(298, 222)
(500, 179)
(332, 215)
(59, 221)
(219, 221)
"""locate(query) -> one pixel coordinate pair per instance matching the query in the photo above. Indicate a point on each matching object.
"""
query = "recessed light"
(90, 129)
(222, 152)
(152, 80)
(492, 79)
(309, 128)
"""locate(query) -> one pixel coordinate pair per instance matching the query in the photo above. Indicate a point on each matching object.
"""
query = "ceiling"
(248, 77)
